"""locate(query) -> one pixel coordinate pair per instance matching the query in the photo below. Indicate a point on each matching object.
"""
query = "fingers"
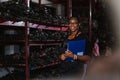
(69, 54)
(63, 57)
(66, 54)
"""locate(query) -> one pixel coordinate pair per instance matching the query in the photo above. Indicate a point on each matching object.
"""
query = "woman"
(73, 68)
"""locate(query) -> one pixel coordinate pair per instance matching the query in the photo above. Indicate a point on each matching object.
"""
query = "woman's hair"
(76, 18)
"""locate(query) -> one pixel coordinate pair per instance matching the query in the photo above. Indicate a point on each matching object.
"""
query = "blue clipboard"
(77, 47)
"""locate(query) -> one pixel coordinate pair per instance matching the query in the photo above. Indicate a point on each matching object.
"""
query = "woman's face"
(73, 25)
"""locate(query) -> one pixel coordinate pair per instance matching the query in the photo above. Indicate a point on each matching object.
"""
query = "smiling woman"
(75, 66)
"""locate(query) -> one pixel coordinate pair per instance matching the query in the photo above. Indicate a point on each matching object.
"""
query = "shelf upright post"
(39, 3)
(90, 19)
(26, 51)
(69, 8)
(27, 73)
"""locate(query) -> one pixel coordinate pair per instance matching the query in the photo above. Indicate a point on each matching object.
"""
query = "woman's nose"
(71, 24)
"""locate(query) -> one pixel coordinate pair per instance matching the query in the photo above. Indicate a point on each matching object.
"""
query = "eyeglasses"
(73, 23)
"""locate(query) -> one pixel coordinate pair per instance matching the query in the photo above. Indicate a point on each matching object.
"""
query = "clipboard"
(77, 47)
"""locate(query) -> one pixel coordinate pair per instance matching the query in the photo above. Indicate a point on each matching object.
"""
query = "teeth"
(72, 27)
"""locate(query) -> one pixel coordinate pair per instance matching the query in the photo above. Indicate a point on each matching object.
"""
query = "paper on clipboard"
(77, 47)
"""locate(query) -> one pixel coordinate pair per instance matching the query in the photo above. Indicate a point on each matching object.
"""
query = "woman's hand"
(62, 57)
(66, 54)
(69, 54)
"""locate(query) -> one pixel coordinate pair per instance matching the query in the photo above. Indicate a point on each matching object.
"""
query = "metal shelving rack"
(26, 41)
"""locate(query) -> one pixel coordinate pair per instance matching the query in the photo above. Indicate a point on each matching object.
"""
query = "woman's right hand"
(63, 57)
